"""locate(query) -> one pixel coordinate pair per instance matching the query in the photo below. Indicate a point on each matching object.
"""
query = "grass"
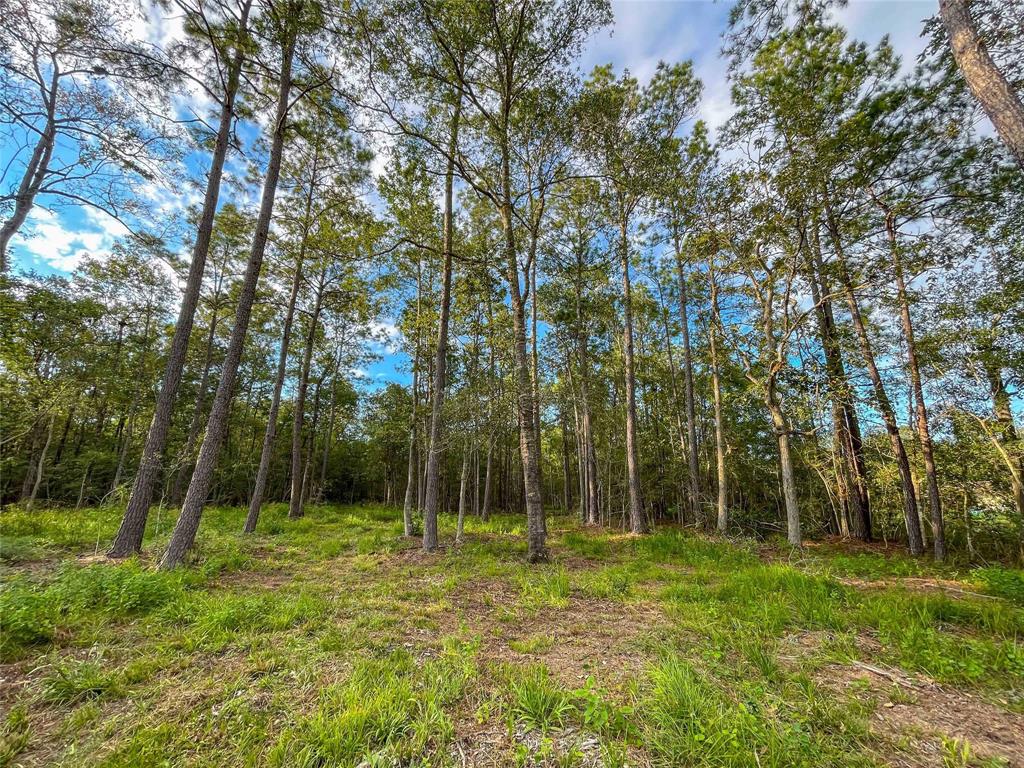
(320, 642)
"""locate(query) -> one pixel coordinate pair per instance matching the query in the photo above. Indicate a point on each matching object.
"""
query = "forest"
(381, 386)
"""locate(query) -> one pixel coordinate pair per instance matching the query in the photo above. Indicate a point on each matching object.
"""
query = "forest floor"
(333, 641)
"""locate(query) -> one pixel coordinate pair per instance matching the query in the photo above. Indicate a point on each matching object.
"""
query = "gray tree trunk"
(722, 510)
(263, 470)
(637, 516)
(299, 411)
(185, 529)
(441, 352)
(133, 525)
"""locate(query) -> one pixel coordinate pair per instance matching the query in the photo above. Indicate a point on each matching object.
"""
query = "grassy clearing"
(332, 641)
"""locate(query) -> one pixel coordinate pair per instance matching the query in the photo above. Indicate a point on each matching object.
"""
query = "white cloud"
(49, 238)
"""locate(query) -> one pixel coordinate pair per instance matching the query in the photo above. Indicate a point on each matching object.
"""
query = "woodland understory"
(336, 641)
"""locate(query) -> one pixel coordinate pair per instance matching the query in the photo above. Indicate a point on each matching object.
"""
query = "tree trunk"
(989, 86)
(328, 437)
(133, 525)
(566, 472)
(921, 413)
(40, 464)
(184, 532)
(411, 474)
(637, 516)
(463, 480)
(185, 470)
(782, 433)
(691, 419)
(852, 466)
(910, 515)
(35, 172)
(299, 411)
(441, 352)
(263, 470)
(722, 516)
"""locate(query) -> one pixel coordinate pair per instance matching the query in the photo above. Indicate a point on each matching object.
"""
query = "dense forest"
(805, 322)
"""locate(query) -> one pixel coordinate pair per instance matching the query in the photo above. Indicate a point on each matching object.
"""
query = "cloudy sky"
(644, 32)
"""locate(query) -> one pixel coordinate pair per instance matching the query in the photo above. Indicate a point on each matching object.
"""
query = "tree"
(74, 79)
(990, 86)
(226, 43)
(289, 22)
(631, 131)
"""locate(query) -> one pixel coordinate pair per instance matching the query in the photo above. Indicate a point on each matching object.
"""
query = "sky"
(644, 33)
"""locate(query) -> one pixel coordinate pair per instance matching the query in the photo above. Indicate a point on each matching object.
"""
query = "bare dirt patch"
(585, 637)
(918, 712)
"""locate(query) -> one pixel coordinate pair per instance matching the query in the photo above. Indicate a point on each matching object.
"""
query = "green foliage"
(544, 588)
(69, 681)
(15, 733)
(1007, 583)
(536, 700)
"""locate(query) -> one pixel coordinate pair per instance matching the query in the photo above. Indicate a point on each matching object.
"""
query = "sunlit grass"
(331, 640)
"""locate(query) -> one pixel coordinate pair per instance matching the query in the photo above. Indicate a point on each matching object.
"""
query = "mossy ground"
(332, 641)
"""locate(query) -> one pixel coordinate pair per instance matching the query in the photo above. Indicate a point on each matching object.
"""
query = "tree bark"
(463, 480)
(910, 515)
(411, 474)
(921, 413)
(133, 525)
(185, 470)
(185, 529)
(41, 463)
(853, 468)
(441, 352)
(263, 470)
(691, 419)
(722, 515)
(989, 86)
(638, 522)
(35, 172)
(299, 411)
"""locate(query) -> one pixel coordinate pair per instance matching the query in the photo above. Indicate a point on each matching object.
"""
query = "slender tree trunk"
(41, 463)
(263, 470)
(411, 474)
(299, 414)
(566, 472)
(921, 413)
(463, 480)
(782, 433)
(852, 466)
(185, 530)
(185, 470)
(722, 516)
(638, 522)
(441, 353)
(529, 440)
(1003, 412)
(133, 525)
(989, 86)
(126, 438)
(691, 418)
(328, 437)
(910, 514)
(35, 172)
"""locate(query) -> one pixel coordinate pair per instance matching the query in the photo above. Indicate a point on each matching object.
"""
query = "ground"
(333, 641)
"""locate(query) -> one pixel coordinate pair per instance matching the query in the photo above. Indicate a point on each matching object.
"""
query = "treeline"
(806, 322)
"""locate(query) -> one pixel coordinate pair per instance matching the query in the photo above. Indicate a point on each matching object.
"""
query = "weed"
(69, 681)
(536, 700)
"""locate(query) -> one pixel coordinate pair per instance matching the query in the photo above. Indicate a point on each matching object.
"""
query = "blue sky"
(645, 31)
